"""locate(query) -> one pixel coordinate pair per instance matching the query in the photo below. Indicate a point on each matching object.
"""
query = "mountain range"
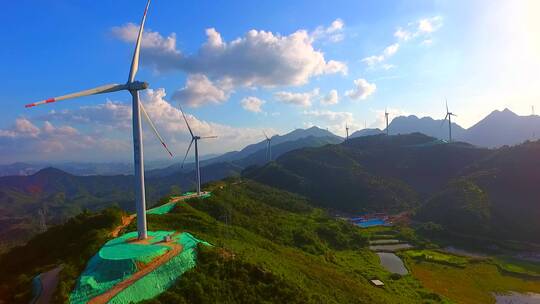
(499, 128)
(468, 190)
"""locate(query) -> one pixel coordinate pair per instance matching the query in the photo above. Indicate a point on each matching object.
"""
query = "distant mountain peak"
(51, 171)
(506, 113)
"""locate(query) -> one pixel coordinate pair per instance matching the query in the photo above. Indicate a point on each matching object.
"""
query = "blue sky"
(243, 67)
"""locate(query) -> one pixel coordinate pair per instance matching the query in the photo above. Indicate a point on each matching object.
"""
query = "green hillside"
(269, 246)
(497, 197)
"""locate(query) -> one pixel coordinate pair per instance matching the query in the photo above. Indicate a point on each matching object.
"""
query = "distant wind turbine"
(347, 132)
(268, 147)
(449, 116)
(386, 116)
(194, 138)
(133, 86)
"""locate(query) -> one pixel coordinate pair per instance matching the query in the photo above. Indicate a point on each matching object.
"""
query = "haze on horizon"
(245, 68)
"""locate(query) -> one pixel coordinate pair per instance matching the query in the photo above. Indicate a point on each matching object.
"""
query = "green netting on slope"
(166, 208)
(163, 277)
(163, 209)
(114, 262)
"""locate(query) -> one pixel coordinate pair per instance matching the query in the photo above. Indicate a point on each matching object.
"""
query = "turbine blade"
(446, 104)
(187, 151)
(99, 90)
(187, 124)
(442, 122)
(135, 60)
(207, 137)
(153, 127)
(266, 136)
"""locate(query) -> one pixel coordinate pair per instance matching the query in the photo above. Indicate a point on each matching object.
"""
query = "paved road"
(49, 281)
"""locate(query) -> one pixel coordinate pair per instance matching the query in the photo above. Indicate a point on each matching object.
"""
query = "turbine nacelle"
(137, 86)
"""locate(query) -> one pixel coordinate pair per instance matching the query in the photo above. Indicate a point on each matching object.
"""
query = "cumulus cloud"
(332, 33)
(362, 89)
(199, 90)
(98, 133)
(22, 128)
(252, 104)
(259, 58)
(331, 99)
(26, 139)
(300, 99)
(159, 52)
(110, 114)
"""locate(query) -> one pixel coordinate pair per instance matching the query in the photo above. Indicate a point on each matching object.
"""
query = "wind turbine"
(268, 147)
(347, 130)
(133, 86)
(194, 138)
(386, 116)
(449, 116)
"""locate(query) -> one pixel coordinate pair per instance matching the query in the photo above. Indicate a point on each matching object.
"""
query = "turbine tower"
(347, 131)
(449, 116)
(386, 116)
(268, 147)
(194, 138)
(133, 87)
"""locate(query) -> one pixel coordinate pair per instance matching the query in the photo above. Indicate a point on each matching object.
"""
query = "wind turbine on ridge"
(268, 147)
(133, 86)
(449, 116)
(386, 116)
(347, 131)
(194, 138)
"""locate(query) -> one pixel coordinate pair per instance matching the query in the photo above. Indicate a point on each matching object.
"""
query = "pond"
(371, 222)
(518, 298)
(392, 263)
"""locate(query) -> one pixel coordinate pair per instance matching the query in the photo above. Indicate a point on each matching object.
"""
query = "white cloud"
(361, 90)
(158, 52)
(331, 99)
(300, 99)
(402, 34)
(334, 121)
(332, 33)
(388, 52)
(429, 25)
(22, 128)
(109, 114)
(391, 50)
(259, 58)
(199, 90)
(252, 104)
(421, 28)
(103, 133)
(373, 60)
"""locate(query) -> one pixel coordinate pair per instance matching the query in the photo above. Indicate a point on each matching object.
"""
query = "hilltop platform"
(127, 270)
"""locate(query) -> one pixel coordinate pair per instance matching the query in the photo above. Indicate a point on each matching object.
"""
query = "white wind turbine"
(133, 86)
(386, 116)
(347, 132)
(194, 138)
(268, 147)
(449, 116)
